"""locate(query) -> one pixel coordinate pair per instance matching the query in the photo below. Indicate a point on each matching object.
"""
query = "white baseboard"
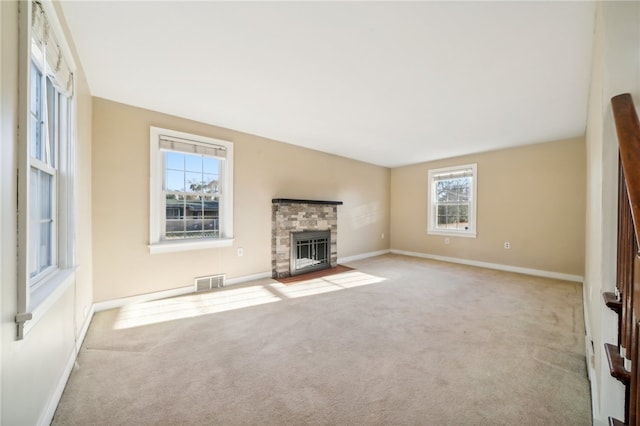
(488, 265)
(84, 329)
(246, 278)
(180, 291)
(118, 303)
(47, 415)
(599, 422)
(363, 256)
(591, 371)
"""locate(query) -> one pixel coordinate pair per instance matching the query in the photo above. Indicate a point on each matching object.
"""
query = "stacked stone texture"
(298, 217)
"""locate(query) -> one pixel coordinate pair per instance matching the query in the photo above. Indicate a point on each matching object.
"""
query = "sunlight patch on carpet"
(175, 308)
(227, 299)
(326, 284)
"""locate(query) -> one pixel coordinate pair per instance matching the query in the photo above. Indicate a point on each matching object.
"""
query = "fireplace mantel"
(296, 201)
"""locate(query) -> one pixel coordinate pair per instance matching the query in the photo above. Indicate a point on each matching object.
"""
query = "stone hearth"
(290, 215)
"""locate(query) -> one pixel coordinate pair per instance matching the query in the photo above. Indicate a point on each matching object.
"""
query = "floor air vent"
(208, 283)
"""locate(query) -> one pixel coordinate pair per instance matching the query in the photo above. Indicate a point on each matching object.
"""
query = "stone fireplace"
(304, 236)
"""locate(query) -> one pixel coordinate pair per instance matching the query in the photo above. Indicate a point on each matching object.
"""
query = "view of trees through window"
(452, 199)
(192, 196)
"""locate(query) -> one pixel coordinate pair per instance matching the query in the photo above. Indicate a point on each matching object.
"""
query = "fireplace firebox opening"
(310, 251)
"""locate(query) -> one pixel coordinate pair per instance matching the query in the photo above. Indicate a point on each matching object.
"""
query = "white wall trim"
(47, 415)
(500, 267)
(590, 355)
(124, 301)
(176, 246)
(180, 291)
(363, 256)
(85, 329)
(50, 410)
(246, 278)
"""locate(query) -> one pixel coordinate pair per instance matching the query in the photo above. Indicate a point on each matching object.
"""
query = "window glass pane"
(211, 216)
(210, 165)
(174, 224)
(174, 180)
(211, 184)
(36, 135)
(194, 182)
(36, 83)
(45, 254)
(192, 217)
(174, 160)
(46, 196)
(441, 215)
(41, 188)
(193, 163)
(452, 216)
(194, 225)
(453, 189)
(33, 223)
(52, 129)
(173, 212)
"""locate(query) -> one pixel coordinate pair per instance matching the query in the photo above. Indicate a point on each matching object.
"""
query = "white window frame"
(156, 205)
(432, 202)
(38, 294)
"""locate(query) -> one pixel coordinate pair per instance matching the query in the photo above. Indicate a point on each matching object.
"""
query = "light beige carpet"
(397, 341)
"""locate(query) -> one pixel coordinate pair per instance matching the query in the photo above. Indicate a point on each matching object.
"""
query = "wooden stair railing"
(623, 357)
(613, 302)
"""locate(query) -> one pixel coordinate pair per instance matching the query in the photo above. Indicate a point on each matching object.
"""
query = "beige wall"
(264, 169)
(531, 196)
(33, 370)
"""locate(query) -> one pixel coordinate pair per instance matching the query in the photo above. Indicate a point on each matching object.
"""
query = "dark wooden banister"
(612, 302)
(616, 364)
(628, 130)
(626, 300)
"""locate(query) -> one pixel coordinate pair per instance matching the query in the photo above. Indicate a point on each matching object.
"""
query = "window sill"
(47, 294)
(176, 246)
(464, 234)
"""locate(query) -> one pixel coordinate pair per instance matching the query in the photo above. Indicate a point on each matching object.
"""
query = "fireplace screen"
(310, 251)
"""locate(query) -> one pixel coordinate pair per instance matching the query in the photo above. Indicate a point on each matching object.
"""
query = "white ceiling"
(389, 83)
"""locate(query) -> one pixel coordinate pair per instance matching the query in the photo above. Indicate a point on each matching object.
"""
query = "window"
(452, 201)
(191, 192)
(46, 164)
(45, 138)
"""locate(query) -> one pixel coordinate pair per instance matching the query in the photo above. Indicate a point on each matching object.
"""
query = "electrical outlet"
(507, 245)
(240, 251)
(382, 236)
(447, 240)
